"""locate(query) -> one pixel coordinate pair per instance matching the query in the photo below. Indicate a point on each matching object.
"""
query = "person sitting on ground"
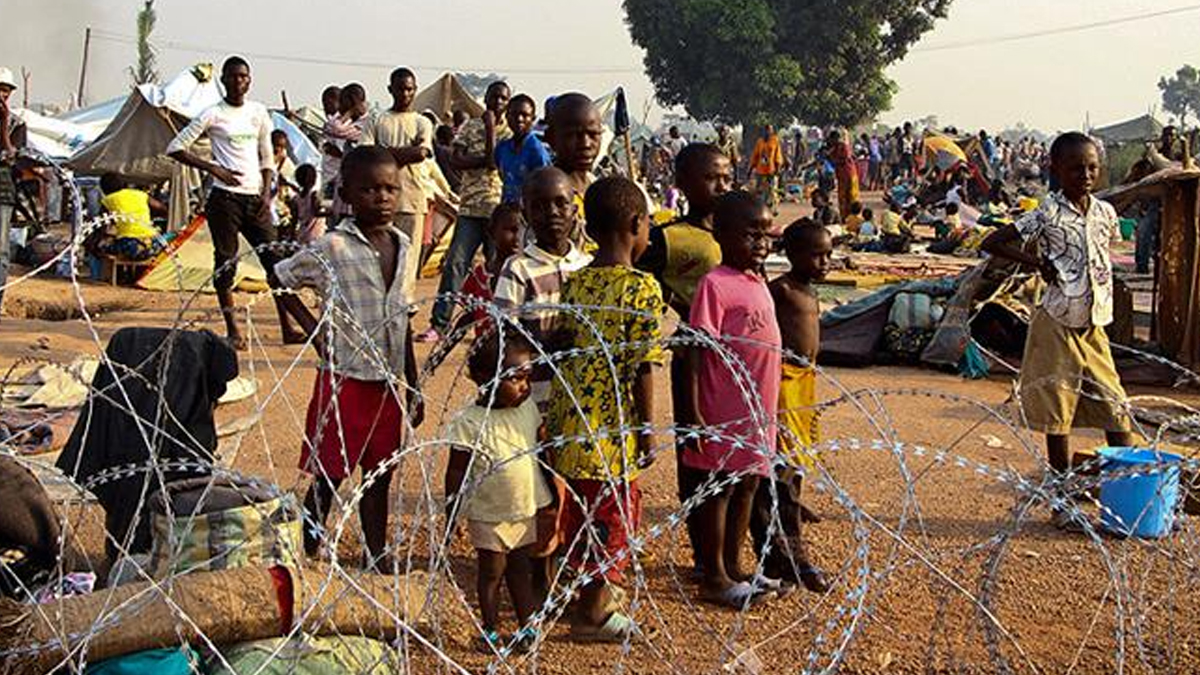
(733, 307)
(895, 233)
(356, 416)
(132, 210)
(493, 479)
(854, 219)
(523, 153)
(1068, 377)
(823, 213)
(809, 250)
(867, 239)
(615, 303)
(949, 230)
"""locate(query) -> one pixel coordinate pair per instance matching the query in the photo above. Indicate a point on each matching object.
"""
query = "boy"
(473, 156)
(679, 255)
(766, 163)
(524, 153)
(823, 213)
(356, 414)
(536, 274)
(341, 133)
(809, 249)
(239, 203)
(1068, 377)
(604, 412)
(733, 307)
(574, 132)
(854, 219)
(409, 137)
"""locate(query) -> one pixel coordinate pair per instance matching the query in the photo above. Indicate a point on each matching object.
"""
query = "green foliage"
(1181, 93)
(145, 72)
(759, 61)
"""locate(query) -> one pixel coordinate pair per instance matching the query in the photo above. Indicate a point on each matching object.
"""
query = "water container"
(1141, 505)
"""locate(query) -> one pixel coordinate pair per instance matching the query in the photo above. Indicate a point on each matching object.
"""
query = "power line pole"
(87, 45)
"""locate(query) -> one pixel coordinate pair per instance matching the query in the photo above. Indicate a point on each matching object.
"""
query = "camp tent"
(445, 96)
(186, 265)
(57, 138)
(1137, 130)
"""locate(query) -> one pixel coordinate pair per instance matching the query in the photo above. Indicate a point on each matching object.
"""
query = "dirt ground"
(938, 562)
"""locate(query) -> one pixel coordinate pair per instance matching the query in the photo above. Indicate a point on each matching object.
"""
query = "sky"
(1055, 82)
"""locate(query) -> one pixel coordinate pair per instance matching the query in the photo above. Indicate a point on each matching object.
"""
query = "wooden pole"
(633, 172)
(87, 45)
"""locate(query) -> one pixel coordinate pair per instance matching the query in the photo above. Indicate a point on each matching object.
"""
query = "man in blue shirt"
(524, 153)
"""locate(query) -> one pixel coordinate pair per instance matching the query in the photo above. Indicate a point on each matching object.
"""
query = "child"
(679, 255)
(504, 231)
(809, 249)
(134, 234)
(868, 234)
(574, 132)
(356, 415)
(536, 274)
(306, 206)
(1068, 377)
(342, 133)
(855, 218)
(823, 213)
(524, 153)
(895, 231)
(493, 442)
(950, 231)
(604, 411)
(283, 182)
(734, 308)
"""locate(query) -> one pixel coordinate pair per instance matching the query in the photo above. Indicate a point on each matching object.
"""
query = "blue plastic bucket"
(1141, 505)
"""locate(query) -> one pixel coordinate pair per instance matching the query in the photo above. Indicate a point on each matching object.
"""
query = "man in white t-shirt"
(409, 135)
(241, 168)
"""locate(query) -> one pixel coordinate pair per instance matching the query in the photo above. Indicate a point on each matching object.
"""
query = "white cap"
(7, 79)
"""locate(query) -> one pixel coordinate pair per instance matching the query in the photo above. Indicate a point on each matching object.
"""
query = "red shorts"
(606, 537)
(350, 423)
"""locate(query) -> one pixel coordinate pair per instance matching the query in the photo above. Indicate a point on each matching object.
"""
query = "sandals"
(738, 596)
(490, 642)
(616, 629)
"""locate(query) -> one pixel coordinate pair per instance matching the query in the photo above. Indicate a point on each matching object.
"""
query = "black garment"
(29, 524)
(441, 154)
(153, 404)
(228, 214)
(788, 551)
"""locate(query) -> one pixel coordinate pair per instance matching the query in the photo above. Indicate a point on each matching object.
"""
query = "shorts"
(615, 510)
(1069, 380)
(230, 214)
(503, 537)
(350, 423)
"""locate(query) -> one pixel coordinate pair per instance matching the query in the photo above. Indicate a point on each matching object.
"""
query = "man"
(729, 147)
(766, 161)
(409, 137)
(675, 142)
(8, 150)
(474, 156)
(240, 200)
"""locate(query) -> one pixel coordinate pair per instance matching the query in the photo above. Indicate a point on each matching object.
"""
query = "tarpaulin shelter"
(1175, 323)
(186, 265)
(446, 95)
(1137, 130)
(942, 152)
(57, 138)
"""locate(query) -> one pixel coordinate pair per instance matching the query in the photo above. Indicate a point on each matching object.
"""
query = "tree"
(144, 72)
(759, 61)
(1181, 94)
(475, 84)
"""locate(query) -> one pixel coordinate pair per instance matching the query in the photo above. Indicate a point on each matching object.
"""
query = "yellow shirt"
(132, 211)
(853, 222)
(892, 223)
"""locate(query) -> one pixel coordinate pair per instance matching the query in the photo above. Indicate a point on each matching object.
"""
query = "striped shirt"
(370, 321)
(535, 276)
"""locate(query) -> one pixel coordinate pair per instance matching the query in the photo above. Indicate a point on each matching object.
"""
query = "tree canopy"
(1181, 93)
(759, 61)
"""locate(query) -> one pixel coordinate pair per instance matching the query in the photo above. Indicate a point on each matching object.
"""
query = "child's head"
(856, 209)
(819, 198)
(809, 248)
(444, 135)
(742, 227)
(496, 97)
(574, 131)
(503, 382)
(868, 215)
(352, 100)
(1075, 163)
(550, 209)
(331, 99)
(371, 185)
(952, 209)
(111, 182)
(504, 229)
(521, 114)
(402, 85)
(703, 173)
(306, 176)
(615, 215)
(279, 143)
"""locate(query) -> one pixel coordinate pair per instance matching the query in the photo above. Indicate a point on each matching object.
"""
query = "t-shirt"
(853, 221)
(736, 309)
(679, 255)
(892, 223)
(767, 158)
(392, 129)
(504, 482)
(516, 161)
(675, 145)
(591, 402)
(132, 210)
(480, 190)
(240, 138)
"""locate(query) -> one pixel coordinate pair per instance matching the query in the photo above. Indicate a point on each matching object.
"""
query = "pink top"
(737, 307)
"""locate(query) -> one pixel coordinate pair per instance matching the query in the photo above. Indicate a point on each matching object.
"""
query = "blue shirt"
(517, 162)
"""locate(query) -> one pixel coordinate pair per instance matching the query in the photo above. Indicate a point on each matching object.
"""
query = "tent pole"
(87, 46)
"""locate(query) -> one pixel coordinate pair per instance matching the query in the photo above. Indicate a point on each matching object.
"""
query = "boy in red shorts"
(356, 415)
